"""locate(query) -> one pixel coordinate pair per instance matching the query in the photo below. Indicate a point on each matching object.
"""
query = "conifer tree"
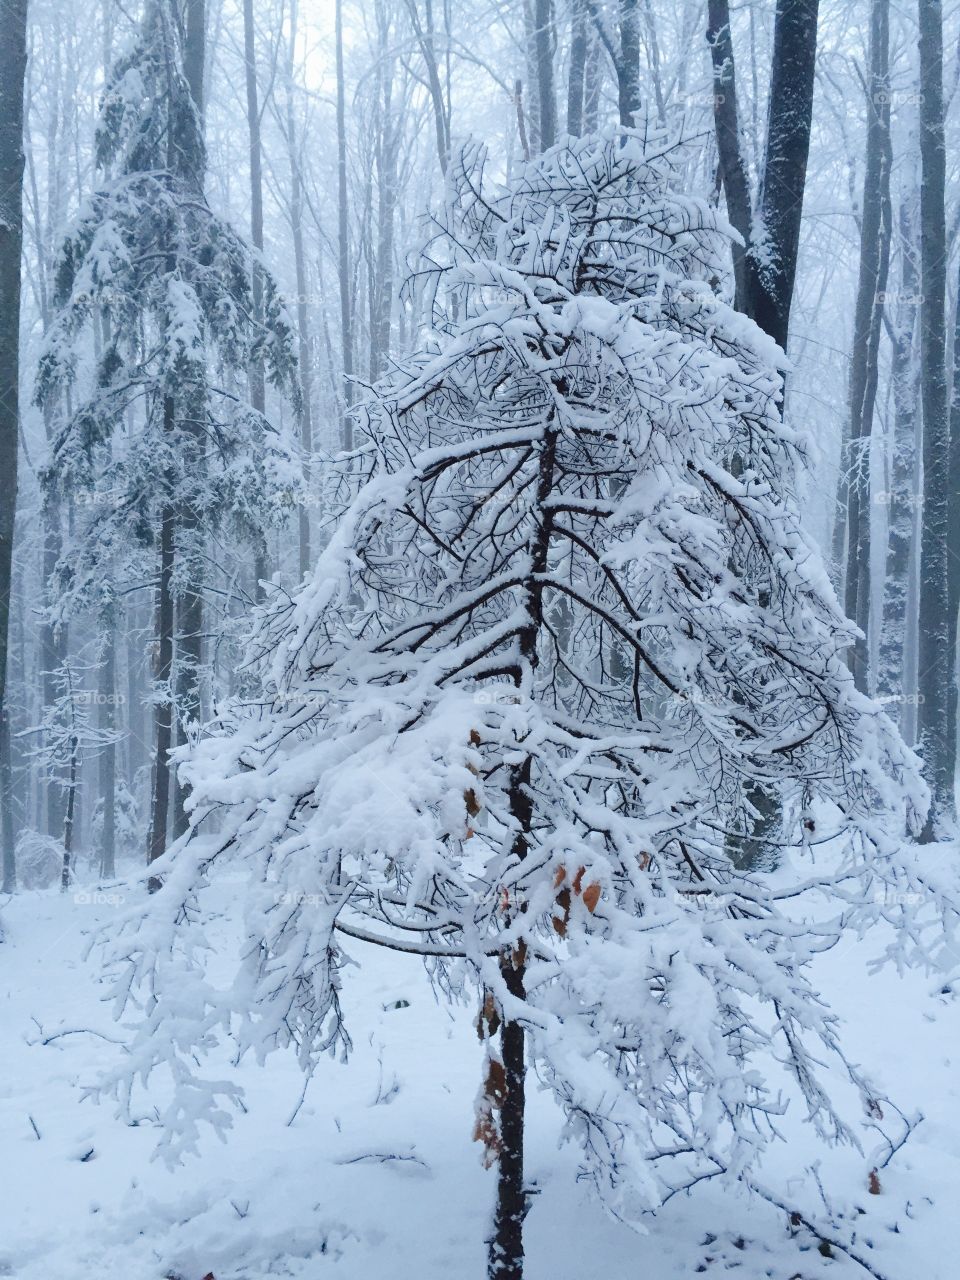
(160, 439)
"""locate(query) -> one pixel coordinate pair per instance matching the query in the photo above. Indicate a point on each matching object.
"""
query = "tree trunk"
(13, 63)
(592, 78)
(575, 75)
(68, 820)
(303, 315)
(935, 658)
(892, 676)
(733, 171)
(107, 764)
(163, 670)
(258, 398)
(875, 233)
(188, 539)
(953, 537)
(506, 1246)
(774, 255)
(8, 881)
(53, 640)
(424, 34)
(387, 155)
(344, 246)
(628, 68)
(543, 43)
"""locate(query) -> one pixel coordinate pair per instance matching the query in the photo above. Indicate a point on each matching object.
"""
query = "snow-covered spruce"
(510, 719)
(156, 420)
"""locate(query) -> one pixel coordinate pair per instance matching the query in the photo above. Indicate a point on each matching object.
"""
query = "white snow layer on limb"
(556, 638)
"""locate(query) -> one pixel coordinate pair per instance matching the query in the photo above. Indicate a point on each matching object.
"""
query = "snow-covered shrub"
(39, 859)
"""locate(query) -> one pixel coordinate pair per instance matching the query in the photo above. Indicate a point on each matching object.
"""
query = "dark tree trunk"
(774, 263)
(934, 657)
(765, 273)
(13, 63)
(733, 172)
(506, 1246)
(875, 233)
(575, 75)
(546, 96)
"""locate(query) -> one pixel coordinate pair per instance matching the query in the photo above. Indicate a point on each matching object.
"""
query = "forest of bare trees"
(265, 264)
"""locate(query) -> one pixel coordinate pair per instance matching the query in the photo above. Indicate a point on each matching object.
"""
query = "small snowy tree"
(510, 722)
(159, 444)
(69, 735)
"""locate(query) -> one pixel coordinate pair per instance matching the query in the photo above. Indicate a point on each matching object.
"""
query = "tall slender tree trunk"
(387, 156)
(8, 879)
(189, 575)
(892, 676)
(953, 537)
(592, 80)
(774, 250)
(69, 816)
(346, 308)
(577, 70)
(733, 171)
(13, 64)
(506, 1245)
(53, 640)
(628, 67)
(765, 274)
(546, 94)
(935, 657)
(163, 671)
(875, 232)
(258, 398)
(107, 763)
(303, 315)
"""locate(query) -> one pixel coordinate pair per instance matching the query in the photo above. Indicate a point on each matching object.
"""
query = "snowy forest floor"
(377, 1177)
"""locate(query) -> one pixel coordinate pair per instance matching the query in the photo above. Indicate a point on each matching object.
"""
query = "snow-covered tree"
(160, 440)
(68, 735)
(510, 721)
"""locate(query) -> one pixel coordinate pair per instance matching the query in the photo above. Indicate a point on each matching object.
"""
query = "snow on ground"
(376, 1176)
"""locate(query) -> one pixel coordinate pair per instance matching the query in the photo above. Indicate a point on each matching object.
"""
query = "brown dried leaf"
(873, 1183)
(495, 1085)
(591, 896)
